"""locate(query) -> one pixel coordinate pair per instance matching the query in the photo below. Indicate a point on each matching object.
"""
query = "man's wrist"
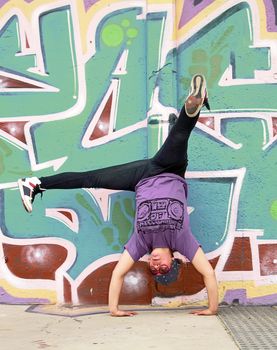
(113, 310)
(213, 309)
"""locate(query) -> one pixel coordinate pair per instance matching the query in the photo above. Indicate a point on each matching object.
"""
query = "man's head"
(160, 261)
(163, 265)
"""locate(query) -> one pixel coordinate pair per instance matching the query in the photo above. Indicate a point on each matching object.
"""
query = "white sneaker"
(197, 96)
(29, 188)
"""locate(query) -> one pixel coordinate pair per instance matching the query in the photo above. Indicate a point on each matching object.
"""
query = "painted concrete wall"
(86, 84)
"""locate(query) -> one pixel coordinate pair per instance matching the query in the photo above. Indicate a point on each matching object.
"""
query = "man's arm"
(202, 265)
(123, 266)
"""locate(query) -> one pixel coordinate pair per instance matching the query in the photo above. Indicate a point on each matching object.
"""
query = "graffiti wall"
(86, 84)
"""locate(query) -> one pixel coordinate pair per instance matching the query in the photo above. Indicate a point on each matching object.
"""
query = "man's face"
(160, 262)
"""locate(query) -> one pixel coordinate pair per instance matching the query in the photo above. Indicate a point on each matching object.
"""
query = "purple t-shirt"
(161, 219)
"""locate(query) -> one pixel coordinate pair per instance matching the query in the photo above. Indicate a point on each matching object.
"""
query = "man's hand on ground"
(206, 312)
(121, 313)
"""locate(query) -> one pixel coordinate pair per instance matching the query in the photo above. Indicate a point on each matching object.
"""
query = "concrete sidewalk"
(162, 329)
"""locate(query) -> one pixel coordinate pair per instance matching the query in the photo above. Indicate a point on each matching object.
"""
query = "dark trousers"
(171, 158)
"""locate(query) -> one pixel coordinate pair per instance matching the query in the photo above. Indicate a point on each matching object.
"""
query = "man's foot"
(28, 188)
(197, 96)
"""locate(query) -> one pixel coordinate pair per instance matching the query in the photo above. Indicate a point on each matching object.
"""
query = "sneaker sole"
(196, 97)
(25, 203)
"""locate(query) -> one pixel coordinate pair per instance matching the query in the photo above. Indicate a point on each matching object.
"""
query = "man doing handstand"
(161, 224)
